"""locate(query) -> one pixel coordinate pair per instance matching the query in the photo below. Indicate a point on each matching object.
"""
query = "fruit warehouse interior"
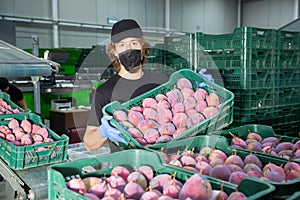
(54, 51)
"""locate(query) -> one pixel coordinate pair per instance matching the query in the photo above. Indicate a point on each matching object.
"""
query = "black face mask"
(131, 59)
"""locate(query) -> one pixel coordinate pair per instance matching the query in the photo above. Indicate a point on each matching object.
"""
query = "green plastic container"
(288, 77)
(249, 115)
(218, 121)
(218, 142)
(263, 130)
(289, 40)
(254, 99)
(288, 95)
(23, 157)
(289, 59)
(295, 196)
(6, 98)
(248, 79)
(242, 37)
(58, 174)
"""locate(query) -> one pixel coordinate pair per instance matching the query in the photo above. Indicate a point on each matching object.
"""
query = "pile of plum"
(5, 108)
(165, 116)
(269, 145)
(143, 184)
(24, 132)
(232, 168)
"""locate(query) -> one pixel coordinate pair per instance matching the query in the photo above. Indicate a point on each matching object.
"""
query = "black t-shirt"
(15, 94)
(122, 90)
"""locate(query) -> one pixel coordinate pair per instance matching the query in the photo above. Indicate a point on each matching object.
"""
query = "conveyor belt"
(15, 62)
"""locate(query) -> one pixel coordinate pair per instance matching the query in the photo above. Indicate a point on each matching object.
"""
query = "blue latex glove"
(207, 76)
(107, 131)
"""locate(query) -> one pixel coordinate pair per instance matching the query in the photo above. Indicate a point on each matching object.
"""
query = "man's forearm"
(92, 139)
(22, 104)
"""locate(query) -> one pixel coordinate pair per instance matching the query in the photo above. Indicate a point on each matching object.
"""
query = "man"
(15, 93)
(128, 52)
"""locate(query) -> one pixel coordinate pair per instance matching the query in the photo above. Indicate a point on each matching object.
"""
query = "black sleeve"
(15, 93)
(100, 99)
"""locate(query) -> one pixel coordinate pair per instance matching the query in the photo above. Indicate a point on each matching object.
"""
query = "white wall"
(208, 16)
(147, 13)
(268, 13)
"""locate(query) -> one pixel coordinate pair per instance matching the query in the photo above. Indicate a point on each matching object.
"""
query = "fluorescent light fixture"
(112, 20)
(41, 21)
(17, 19)
(106, 27)
(90, 26)
(69, 24)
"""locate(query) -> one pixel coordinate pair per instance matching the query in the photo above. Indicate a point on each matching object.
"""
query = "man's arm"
(92, 139)
(22, 104)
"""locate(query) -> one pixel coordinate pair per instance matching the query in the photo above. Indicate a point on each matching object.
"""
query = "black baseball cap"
(3, 83)
(125, 28)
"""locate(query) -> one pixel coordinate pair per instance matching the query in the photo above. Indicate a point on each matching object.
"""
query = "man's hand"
(107, 131)
(207, 76)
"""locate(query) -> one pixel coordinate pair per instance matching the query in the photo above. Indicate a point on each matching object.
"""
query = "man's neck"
(131, 76)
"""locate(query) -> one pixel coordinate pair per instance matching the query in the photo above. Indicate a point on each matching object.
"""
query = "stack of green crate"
(157, 54)
(246, 60)
(157, 59)
(288, 84)
(179, 51)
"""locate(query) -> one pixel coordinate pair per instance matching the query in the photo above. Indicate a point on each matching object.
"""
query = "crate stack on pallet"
(261, 69)
(288, 84)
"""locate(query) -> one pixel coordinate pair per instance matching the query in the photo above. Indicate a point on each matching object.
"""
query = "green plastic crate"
(254, 114)
(218, 142)
(251, 54)
(242, 37)
(248, 78)
(208, 60)
(7, 99)
(289, 58)
(288, 77)
(284, 125)
(220, 120)
(295, 196)
(23, 157)
(288, 110)
(289, 40)
(254, 98)
(288, 95)
(263, 130)
(58, 174)
(287, 125)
